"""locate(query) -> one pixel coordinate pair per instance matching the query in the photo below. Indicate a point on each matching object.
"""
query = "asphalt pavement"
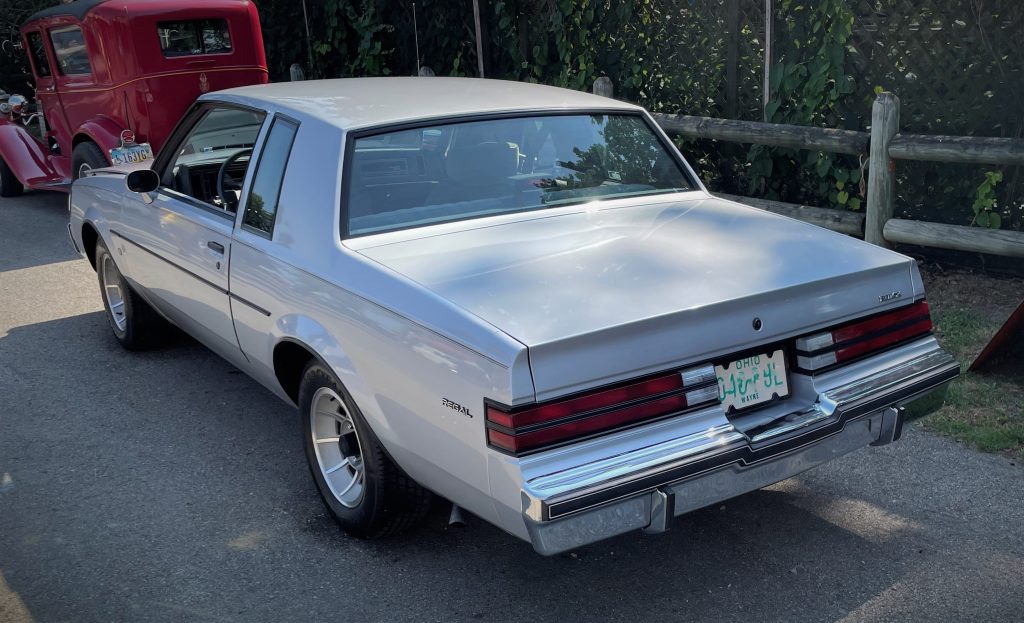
(168, 486)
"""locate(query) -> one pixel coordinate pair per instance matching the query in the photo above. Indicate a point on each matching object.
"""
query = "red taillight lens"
(521, 430)
(862, 337)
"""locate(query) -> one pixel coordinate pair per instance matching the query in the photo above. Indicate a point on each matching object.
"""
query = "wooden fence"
(882, 146)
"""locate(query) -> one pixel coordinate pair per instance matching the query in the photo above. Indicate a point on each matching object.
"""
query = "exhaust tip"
(456, 518)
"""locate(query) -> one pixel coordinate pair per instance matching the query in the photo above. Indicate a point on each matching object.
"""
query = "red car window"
(38, 54)
(69, 48)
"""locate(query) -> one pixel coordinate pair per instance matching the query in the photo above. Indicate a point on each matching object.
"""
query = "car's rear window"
(449, 172)
(194, 37)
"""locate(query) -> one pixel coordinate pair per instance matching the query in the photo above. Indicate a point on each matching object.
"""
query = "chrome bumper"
(645, 488)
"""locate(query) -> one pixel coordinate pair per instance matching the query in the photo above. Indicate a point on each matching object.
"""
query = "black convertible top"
(76, 9)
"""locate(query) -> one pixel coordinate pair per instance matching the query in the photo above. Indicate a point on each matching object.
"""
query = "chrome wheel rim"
(339, 455)
(113, 293)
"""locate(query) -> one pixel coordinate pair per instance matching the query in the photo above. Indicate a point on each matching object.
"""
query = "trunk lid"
(601, 294)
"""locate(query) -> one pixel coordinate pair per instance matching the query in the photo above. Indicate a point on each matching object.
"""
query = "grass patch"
(985, 411)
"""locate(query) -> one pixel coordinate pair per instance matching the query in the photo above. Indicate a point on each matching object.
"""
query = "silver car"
(516, 297)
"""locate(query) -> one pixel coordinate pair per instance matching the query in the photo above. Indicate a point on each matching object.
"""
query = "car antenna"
(416, 38)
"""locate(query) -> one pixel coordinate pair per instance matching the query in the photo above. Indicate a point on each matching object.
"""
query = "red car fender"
(28, 158)
(103, 131)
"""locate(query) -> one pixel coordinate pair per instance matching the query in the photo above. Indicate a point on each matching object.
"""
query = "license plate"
(131, 155)
(752, 380)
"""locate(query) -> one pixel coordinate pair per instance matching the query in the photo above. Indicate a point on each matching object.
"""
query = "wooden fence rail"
(883, 145)
(774, 134)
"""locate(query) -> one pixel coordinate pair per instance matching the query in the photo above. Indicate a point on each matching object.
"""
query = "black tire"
(391, 501)
(10, 185)
(137, 326)
(87, 154)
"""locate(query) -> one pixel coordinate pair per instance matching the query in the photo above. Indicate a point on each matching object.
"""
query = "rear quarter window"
(194, 37)
(261, 209)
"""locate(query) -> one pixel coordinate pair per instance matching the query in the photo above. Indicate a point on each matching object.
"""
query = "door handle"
(216, 247)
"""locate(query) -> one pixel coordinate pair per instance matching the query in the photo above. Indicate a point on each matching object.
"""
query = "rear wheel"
(134, 323)
(10, 185)
(87, 156)
(367, 493)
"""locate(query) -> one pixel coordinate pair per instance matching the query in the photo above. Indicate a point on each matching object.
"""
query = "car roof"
(76, 9)
(355, 103)
(129, 8)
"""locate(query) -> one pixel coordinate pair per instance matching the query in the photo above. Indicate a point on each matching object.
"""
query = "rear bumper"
(645, 488)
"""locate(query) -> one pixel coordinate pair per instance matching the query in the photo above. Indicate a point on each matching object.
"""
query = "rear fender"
(28, 158)
(103, 131)
(307, 332)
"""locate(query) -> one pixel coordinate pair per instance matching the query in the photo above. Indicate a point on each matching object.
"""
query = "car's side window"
(211, 162)
(69, 48)
(261, 209)
(37, 52)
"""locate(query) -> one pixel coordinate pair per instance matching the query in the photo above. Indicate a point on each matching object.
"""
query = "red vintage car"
(112, 77)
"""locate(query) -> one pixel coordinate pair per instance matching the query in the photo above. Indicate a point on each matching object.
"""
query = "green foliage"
(985, 204)
(14, 71)
(571, 43)
(808, 82)
(351, 44)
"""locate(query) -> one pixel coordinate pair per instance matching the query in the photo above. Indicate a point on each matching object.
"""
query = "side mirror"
(142, 181)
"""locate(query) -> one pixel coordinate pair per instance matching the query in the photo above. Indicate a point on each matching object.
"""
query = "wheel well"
(89, 238)
(79, 139)
(290, 360)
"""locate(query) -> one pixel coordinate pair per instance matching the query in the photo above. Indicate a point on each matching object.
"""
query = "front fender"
(27, 157)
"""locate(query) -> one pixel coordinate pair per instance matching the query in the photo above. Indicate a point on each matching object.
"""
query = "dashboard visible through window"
(213, 158)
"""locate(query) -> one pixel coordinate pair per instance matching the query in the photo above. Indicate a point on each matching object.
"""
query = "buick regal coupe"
(517, 297)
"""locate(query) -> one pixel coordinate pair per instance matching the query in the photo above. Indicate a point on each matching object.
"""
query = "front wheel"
(367, 493)
(135, 324)
(10, 185)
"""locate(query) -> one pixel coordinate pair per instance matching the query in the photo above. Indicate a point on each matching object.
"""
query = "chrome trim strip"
(249, 304)
(171, 262)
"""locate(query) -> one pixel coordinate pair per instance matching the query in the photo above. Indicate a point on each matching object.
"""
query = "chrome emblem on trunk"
(882, 298)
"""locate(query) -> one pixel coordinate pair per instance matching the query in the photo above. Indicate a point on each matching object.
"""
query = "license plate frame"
(131, 154)
(752, 381)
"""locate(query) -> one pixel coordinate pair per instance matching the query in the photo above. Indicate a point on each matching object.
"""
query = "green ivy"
(570, 43)
(808, 82)
(985, 205)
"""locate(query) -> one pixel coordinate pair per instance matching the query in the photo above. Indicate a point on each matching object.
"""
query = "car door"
(177, 241)
(46, 85)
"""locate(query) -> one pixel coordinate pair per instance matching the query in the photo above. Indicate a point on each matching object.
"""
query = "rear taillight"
(862, 337)
(524, 429)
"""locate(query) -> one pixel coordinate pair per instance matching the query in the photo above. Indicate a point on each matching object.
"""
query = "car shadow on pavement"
(36, 217)
(168, 486)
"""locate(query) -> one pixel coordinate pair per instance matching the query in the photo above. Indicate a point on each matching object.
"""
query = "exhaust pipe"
(455, 519)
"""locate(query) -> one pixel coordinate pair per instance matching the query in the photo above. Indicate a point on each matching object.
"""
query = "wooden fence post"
(885, 123)
(603, 87)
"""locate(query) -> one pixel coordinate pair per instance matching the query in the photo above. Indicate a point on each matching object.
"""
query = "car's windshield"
(441, 173)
